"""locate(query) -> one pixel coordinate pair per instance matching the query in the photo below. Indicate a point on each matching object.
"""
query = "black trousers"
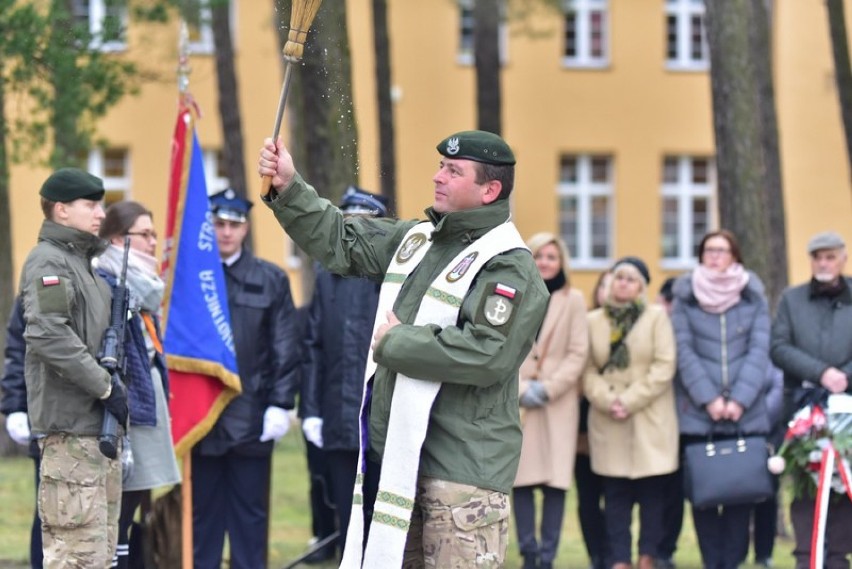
(342, 468)
(130, 501)
(553, 511)
(722, 535)
(765, 525)
(838, 531)
(36, 553)
(590, 510)
(672, 514)
(323, 521)
(620, 495)
(229, 495)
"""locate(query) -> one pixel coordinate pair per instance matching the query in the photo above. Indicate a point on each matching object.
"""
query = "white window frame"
(683, 11)
(583, 16)
(97, 12)
(95, 164)
(583, 190)
(685, 191)
(466, 56)
(215, 182)
(204, 44)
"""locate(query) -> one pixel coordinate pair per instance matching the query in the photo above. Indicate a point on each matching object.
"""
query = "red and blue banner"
(197, 337)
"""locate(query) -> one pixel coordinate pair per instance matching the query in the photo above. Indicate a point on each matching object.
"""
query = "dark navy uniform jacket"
(266, 337)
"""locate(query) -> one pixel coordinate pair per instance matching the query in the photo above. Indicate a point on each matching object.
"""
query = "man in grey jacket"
(812, 344)
(66, 311)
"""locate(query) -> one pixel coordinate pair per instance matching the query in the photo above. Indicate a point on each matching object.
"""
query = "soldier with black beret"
(66, 310)
(461, 301)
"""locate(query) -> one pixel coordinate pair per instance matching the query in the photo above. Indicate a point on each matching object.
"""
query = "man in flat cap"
(231, 465)
(66, 311)
(460, 303)
(812, 345)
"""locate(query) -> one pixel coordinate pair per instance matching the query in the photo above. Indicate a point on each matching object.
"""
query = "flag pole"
(186, 514)
(183, 71)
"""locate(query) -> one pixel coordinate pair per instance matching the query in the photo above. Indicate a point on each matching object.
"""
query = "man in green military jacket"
(66, 310)
(470, 454)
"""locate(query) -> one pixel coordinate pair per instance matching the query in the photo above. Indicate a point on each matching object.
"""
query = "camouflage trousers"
(79, 499)
(457, 526)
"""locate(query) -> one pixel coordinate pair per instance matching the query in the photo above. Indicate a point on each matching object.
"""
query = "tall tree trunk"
(744, 118)
(69, 144)
(229, 100)
(486, 48)
(7, 286)
(325, 137)
(329, 132)
(842, 69)
(387, 149)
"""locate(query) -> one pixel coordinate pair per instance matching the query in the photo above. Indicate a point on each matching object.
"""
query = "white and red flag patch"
(51, 280)
(504, 290)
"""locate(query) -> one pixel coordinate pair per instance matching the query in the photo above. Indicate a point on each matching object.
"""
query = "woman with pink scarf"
(721, 324)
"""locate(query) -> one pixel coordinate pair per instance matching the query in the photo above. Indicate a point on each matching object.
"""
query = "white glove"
(312, 427)
(276, 423)
(18, 427)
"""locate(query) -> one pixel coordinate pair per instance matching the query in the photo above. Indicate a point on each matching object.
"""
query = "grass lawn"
(290, 523)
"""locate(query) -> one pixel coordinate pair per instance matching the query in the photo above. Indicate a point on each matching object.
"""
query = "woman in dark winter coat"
(721, 323)
(147, 380)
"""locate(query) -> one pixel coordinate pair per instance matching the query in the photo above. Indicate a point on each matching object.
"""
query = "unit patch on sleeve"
(411, 245)
(461, 268)
(52, 295)
(497, 307)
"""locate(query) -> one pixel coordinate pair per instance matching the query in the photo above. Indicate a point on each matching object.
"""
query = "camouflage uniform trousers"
(457, 526)
(79, 499)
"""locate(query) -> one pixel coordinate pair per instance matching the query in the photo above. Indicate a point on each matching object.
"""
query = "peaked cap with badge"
(69, 184)
(228, 205)
(479, 146)
(358, 201)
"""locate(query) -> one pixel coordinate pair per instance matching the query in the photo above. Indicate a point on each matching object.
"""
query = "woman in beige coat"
(548, 394)
(633, 431)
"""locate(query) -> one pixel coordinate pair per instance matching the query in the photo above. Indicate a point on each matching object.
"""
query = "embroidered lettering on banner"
(461, 268)
(411, 245)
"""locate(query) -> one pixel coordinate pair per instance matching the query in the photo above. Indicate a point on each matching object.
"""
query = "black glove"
(116, 403)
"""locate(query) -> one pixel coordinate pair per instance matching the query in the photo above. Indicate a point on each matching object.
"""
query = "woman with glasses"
(147, 383)
(632, 421)
(721, 322)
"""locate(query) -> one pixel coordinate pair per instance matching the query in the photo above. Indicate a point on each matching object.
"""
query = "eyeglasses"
(148, 234)
(716, 251)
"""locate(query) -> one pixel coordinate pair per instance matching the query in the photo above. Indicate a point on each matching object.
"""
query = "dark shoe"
(545, 565)
(320, 556)
(665, 563)
(530, 561)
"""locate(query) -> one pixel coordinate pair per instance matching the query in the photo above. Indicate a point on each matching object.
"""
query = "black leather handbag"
(727, 471)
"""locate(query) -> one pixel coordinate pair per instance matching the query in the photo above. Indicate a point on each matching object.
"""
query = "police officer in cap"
(231, 465)
(337, 341)
(67, 310)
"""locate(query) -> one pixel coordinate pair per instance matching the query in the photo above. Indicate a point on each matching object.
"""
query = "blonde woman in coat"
(633, 430)
(549, 400)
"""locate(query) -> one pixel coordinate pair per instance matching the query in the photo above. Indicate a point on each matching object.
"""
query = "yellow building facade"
(607, 107)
